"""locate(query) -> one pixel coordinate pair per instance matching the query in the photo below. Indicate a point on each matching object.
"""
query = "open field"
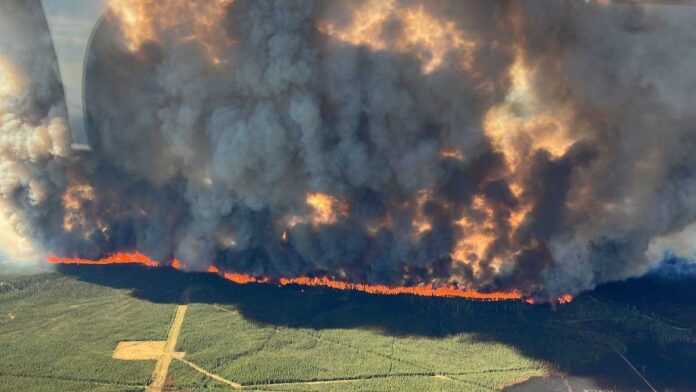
(58, 332)
(138, 351)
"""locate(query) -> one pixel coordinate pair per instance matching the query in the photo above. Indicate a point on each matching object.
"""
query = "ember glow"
(425, 291)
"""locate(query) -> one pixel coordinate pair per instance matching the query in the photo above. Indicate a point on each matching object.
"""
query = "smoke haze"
(539, 146)
(34, 137)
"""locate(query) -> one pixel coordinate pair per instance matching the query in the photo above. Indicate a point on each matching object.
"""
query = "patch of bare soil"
(139, 351)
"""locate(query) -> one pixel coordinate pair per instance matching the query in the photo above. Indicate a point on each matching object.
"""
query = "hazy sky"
(71, 22)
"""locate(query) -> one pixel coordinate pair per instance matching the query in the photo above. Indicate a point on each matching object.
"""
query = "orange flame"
(425, 291)
(239, 278)
(565, 299)
(478, 237)
(73, 199)
(430, 38)
(326, 210)
(188, 21)
(116, 258)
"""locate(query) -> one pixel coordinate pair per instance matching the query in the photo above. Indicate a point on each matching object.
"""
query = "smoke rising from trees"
(542, 146)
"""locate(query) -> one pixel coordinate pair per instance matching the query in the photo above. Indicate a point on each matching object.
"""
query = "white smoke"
(33, 130)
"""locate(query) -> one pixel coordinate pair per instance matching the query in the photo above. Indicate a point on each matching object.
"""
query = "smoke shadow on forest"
(585, 350)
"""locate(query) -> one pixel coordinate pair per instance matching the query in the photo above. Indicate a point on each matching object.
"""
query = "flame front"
(116, 258)
(240, 278)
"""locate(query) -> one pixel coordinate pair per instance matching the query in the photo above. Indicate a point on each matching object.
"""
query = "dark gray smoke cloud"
(34, 136)
(535, 145)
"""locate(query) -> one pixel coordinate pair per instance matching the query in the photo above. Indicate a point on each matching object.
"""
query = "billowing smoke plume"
(34, 137)
(531, 145)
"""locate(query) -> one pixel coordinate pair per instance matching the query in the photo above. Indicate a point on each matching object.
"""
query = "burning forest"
(480, 149)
